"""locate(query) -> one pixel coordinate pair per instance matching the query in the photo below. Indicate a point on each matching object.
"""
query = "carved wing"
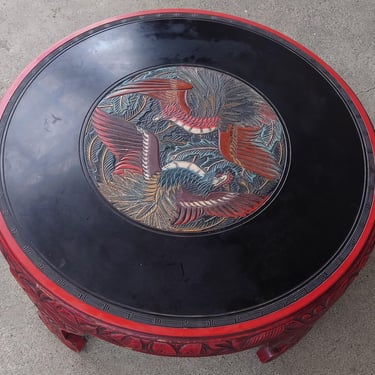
(239, 145)
(220, 204)
(134, 150)
(167, 91)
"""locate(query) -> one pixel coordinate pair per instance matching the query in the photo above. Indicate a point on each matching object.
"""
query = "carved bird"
(193, 191)
(239, 144)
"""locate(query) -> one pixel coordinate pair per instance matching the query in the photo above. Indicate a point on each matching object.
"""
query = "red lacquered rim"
(12, 246)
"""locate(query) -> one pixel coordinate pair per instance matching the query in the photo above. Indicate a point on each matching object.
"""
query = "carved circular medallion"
(185, 149)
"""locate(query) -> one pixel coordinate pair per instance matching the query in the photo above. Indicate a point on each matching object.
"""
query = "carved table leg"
(48, 312)
(281, 344)
(71, 340)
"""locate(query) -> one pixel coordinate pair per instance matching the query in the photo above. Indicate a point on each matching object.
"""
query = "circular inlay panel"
(185, 149)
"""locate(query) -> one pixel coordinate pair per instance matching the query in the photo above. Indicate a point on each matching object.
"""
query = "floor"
(342, 342)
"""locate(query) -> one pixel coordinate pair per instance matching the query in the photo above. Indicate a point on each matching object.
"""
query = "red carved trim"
(71, 325)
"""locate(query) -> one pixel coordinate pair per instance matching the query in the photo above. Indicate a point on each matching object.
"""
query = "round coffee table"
(184, 183)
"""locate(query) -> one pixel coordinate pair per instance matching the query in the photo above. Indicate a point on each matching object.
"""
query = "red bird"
(238, 143)
(137, 151)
